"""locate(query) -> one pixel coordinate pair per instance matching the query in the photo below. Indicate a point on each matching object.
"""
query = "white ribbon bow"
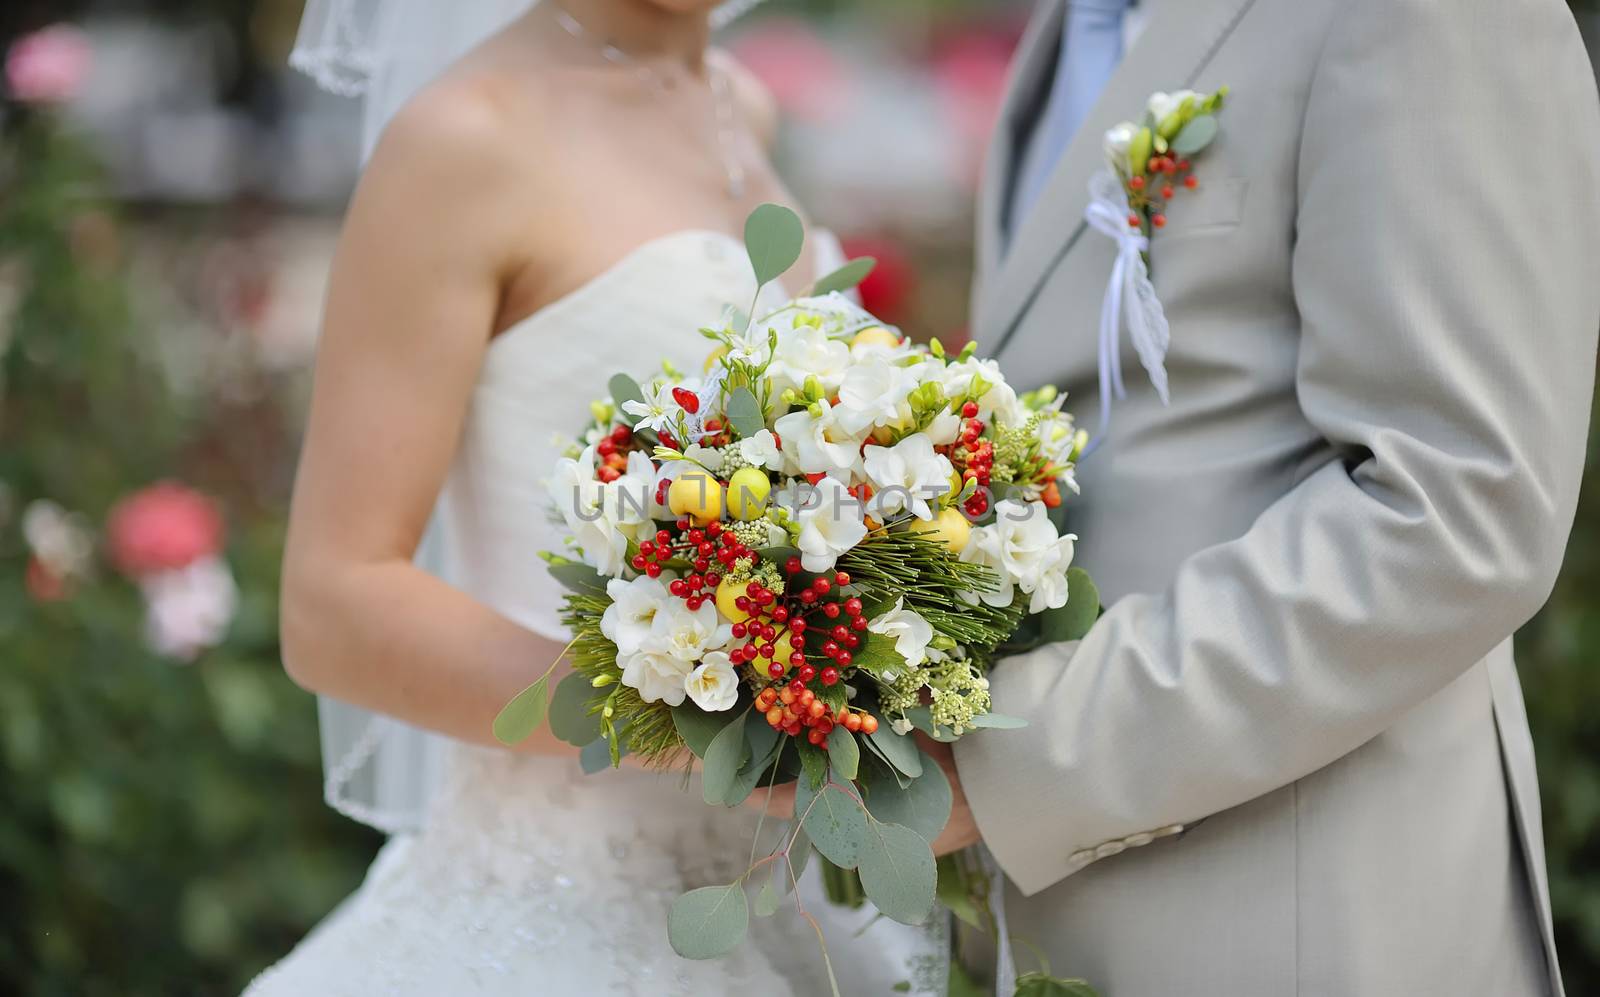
(1130, 285)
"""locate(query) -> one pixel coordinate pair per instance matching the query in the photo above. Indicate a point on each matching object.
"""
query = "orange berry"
(774, 717)
(1159, 221)
(869, 724)
(1191, 182)
(787, 696)
(817, 709)
(1167, 191)
(852, 722)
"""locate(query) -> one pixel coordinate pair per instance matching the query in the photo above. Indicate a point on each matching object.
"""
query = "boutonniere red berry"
(1155, 157)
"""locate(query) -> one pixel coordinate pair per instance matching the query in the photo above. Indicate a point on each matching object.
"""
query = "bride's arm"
(416, 287)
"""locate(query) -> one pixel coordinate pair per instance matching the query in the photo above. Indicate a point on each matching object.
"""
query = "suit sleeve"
(1444, 268)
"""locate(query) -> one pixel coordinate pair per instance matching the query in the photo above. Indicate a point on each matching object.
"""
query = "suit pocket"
(1216, 206)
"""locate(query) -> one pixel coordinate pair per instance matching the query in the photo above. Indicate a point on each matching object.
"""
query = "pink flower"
(48, 66)
(162, 528)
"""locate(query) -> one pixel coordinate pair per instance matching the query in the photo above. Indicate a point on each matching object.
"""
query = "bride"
(554, 206)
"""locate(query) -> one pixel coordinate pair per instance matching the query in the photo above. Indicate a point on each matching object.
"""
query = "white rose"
(714, 686)
(830, 526)
(807, 352)
(1119, 139)
(679, 632)
(905, 476)
(629, 620)
(658, 677)
(873, 393)
(582, 503)
(910, 632)
(819, 444)
(761, 450)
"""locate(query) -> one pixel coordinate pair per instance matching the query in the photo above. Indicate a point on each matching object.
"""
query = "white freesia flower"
(906, 476)
(659, 410)
(761, 450)
(819, 444)
(630, 618)
(1119, 139)
(910, 632)
(1163, 104)
(629, 499)
(714, 686)
(999, 400)
(590, 518)
(658, 677)
(945, 428)
(873, 393)
(808, 352)
(679, 632)
(1023, 548)
(832, 525)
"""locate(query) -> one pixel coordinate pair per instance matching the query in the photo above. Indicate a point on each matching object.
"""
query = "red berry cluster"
(613, 451)
(793, 707)
(1164, 170)
(978, 458)
(700, 546)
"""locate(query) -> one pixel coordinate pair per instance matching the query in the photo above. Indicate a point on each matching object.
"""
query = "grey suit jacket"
(1292, 758)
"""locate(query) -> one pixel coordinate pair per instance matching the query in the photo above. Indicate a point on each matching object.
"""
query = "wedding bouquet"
(786, 565)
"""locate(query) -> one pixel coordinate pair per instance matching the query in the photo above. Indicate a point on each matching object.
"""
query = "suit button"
(1138, 840)
(1109, 849)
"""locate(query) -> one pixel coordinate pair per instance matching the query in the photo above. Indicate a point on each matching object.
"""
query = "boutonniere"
(1147, 163)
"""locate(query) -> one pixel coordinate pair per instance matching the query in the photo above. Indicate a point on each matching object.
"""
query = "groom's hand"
(961, 830)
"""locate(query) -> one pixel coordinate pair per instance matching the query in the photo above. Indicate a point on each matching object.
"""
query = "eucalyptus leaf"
(697, 727)
(596, 756)
(709, 922)
(846, 277)
(813, 765)
(898, 872)
(837, 826)
(1073, 621)
(720, 768)
(898, 750)
(570, 719)
(921, 718)
(1196, 135)
(625, 389)
(955, 892)
(579, 578)
(799, 858)
(745, 414)
(773, 236)
(523, 715)
(923, 805)
(766, 901)
(875, 752)
(844, 755)
(998, 721)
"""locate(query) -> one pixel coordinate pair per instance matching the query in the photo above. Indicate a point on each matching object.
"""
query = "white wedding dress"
(527, 876)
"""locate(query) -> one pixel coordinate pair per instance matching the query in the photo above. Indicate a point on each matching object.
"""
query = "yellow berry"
(950, 528)
(748, 491)
(696, 493)
(875, 336)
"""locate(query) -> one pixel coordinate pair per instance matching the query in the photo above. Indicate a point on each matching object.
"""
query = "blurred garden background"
(169, 198)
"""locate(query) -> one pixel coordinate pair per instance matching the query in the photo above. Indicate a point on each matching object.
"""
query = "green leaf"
(837, 826)
(843, 754)
(762, 746)
(877, 655)
(596, 756)
(923, 805)
(709, 922)
(1072, 621)
(773, 236)
(846, 277)
(722, 762)
(579, 578)
(897, 870)
(814, 766)
(745, 414)
(766, 900)
(955, 892)
(1196, 135)
(921, 718)
(570, 719)
(898, 750)
(625, 389)
(697, 727)
(523, 715)
(1039, 985)
(799, 858)
(998, 721)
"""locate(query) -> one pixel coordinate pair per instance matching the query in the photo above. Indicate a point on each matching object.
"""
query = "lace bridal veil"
(376, 769)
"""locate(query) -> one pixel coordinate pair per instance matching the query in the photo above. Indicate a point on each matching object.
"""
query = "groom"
(1292, 757)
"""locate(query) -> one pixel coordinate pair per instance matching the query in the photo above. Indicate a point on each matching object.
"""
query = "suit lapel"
(1177, 44)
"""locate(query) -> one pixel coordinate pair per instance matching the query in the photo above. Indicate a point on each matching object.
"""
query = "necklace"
(721, 95)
